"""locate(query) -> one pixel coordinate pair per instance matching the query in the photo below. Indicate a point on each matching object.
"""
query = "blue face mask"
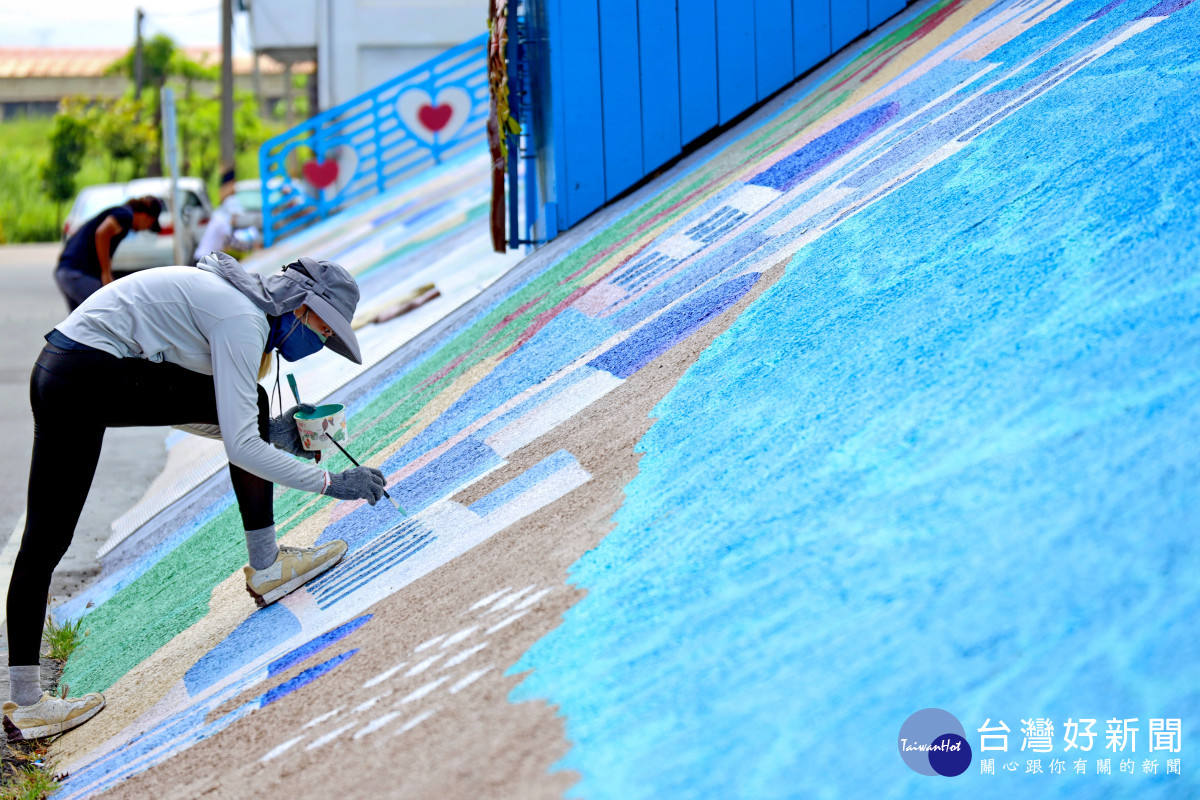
(294, 341)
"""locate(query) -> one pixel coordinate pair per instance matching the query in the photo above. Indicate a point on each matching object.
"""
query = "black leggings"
(76, 395)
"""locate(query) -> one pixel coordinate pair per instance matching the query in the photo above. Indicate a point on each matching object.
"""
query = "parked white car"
(249, 197)
(145, 249)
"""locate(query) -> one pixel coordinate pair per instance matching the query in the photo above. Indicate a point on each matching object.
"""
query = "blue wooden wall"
(849, 19)
(578, 136)
(658, 48)
(697, 69)
(635, 81)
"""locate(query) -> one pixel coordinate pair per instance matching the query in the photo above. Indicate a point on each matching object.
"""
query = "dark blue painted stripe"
(724, 260)
(794, 169)
(468, 459)
(639, 264)
(659, 335)
(333, 576)
(324, 604)
(399, 548)
(373, 567)
(645, 280)
(725, 227)
(648, 264)
(316, 645)
(331, 599)
(304, 678)
(381, 542)
(707, 224)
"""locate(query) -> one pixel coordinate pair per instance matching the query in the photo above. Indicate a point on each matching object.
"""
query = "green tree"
(121, 132)
(68, 146)
(190, 72)
(126, 131)
(159, 57)
(161, 61)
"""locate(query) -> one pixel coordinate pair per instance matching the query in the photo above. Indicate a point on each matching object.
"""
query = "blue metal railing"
(362, 147)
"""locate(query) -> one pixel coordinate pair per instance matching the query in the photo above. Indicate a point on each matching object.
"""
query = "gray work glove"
(359, 483)
(282, 432)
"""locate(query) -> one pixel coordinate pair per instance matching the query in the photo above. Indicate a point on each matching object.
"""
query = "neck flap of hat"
(276, 294)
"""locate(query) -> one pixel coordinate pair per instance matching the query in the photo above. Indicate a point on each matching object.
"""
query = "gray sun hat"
(325, 287)
(333, 296)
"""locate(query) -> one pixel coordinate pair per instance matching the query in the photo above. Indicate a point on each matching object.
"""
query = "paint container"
(327, 420)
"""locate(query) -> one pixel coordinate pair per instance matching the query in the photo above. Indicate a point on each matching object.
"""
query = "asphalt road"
(30, 305)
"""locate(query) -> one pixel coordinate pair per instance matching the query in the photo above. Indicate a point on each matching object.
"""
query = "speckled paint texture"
(948, 460)
(922, 339)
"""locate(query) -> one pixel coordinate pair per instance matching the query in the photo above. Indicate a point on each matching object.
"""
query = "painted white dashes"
(430, 643)
(463, 656)
(505, 602)
(329, 737)
(491, 598)
(363, 706)
(458, 637)
(531, 600)
(424, 690)
(446, 657)
(376, 724)
(318, 720)
(281, 749)
(504, 623)
(383, 676)
(415, 721)
(424, 665)
(471, 678)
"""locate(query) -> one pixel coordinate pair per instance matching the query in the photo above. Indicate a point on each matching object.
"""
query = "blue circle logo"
(933, 742)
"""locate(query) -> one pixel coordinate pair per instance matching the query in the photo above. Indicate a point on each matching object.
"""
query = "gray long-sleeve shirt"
(198, 320)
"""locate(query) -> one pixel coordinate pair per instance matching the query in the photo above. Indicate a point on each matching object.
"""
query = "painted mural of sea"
(948, 460)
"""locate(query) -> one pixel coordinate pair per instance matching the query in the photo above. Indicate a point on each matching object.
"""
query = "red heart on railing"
(320, 173)
(435, 117)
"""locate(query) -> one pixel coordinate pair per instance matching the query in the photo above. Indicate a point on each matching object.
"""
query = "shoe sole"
(43, 731)
(264, 600)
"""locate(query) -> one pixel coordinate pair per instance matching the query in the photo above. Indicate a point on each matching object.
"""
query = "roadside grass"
(62, 638)
(25, 773)
(26, 213)
(26, 782)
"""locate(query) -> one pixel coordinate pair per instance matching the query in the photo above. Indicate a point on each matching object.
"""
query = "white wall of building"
(362, 43)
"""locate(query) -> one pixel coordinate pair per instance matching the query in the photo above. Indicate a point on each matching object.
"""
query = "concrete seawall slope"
(882, 401)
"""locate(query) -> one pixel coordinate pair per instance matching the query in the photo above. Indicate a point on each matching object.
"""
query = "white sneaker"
(292, 568)
(51, 715)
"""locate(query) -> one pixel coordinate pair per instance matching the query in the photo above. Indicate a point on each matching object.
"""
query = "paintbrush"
(355, 463)
(296, 393)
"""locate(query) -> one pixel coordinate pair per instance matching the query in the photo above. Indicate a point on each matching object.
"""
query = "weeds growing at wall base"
(62, 639)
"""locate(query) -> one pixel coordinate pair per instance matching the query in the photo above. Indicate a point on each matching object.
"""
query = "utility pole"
(138, 70)
(258, 89)
(227, 157)
(289, 120)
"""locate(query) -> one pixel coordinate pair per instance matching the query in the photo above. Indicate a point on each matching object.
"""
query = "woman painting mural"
(183, 346)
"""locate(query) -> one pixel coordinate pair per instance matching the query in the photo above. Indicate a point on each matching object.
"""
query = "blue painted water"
(948, 460)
